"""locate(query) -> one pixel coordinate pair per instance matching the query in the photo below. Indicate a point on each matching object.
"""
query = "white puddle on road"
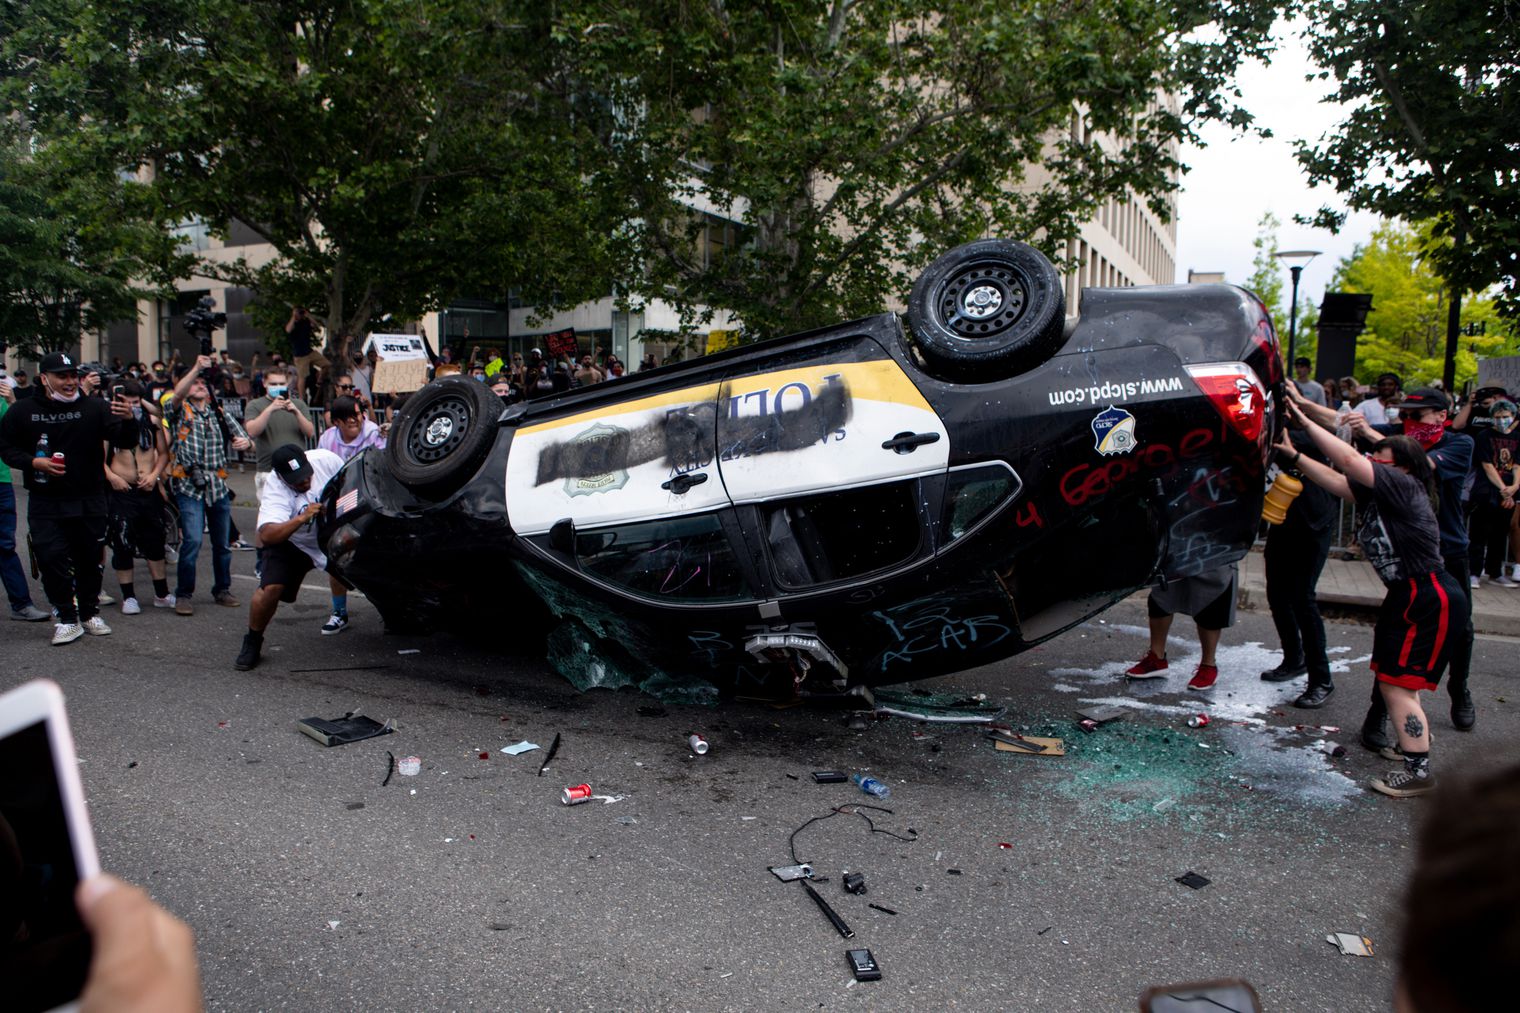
(1253, 720)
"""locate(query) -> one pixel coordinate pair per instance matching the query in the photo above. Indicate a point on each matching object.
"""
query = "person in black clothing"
(1422, 417)
(1395, 494)
(1497, 453)
(1295, 556)
(66, 511)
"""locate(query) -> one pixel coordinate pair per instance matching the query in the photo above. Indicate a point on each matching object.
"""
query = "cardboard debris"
(1052, 747)
(518, 748)
(1350, 944)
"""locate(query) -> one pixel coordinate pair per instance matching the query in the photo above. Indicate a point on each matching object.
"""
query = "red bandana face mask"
(1426, 434)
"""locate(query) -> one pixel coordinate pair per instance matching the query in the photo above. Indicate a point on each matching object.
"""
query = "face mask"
(1426, 434)
(137, 413)
(1504, 423)
(276, 393)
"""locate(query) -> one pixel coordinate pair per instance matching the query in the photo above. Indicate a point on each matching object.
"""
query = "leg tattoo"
(1413, 727)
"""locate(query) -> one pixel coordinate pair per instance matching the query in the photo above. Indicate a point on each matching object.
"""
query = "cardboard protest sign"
(1500, 372)
(401, 363)
(562, 343)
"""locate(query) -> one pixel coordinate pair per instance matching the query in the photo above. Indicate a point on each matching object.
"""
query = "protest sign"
(401, 363)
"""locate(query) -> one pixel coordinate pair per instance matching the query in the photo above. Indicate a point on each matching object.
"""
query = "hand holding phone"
(48, 850)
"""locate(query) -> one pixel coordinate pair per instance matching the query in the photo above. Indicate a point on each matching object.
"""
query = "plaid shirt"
(197, 439)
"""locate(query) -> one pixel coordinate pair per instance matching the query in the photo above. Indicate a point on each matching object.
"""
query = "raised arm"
(1346, 459)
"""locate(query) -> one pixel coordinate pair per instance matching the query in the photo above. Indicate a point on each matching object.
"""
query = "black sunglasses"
(344, 386)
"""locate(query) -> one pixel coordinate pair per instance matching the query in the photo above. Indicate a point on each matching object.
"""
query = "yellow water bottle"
(1285, 489)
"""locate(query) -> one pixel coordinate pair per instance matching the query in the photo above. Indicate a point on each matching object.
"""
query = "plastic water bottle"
(42, 451)
(871, 786)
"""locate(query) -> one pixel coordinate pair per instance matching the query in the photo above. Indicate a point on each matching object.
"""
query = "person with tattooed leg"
(1424, 610)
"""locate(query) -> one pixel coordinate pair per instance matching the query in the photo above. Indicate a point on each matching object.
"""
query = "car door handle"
(681, 483)
(906, 443)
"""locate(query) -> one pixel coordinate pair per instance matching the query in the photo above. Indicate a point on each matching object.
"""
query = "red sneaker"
(1204, 677)
(1148, 667)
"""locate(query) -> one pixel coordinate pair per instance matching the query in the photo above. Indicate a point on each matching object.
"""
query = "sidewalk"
(1355, 585)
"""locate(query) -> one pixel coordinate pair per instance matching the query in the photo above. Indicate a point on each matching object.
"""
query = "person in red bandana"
(1423, 415)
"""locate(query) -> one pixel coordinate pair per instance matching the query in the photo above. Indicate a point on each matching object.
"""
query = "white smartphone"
(46, 849)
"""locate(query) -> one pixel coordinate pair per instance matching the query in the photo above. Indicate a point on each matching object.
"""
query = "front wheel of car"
(442, 434)
(987, 310)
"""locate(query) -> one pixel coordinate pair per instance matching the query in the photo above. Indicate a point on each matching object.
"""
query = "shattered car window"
(675, 559)
(973, 494)
(838, 535)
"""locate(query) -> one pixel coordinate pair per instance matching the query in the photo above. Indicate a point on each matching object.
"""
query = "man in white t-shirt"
(1390, 391)
(287, 525)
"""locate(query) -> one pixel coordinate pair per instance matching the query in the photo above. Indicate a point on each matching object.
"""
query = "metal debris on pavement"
(1193, 881)
(1350, 944)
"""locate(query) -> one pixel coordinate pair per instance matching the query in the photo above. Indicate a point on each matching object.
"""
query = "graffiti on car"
(934, 624)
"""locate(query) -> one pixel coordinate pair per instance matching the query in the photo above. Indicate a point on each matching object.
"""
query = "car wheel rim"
(439, 430)
(980, 300)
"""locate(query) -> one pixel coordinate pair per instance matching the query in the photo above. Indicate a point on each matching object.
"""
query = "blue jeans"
(11, 572)
(194, 514)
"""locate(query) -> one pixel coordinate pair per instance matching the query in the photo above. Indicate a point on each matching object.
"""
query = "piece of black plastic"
(829, 776)
(854, 882)
(883, 910)
(553, 748)
(829, 912)
(1192, 879)
(864, 965)
(341, 731)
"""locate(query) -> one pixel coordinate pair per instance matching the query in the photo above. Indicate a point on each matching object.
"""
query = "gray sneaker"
(30, 614)
(66, 633)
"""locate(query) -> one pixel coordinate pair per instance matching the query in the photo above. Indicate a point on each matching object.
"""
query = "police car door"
(830, 448)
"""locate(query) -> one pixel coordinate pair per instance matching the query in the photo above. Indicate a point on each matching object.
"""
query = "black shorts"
(286, 565)
(1416, 624)
(136, 527)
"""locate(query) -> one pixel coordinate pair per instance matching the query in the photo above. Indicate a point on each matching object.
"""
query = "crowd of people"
(130, 462)
(1434, 492)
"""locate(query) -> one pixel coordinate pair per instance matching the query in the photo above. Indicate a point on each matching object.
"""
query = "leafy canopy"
(1432, 131)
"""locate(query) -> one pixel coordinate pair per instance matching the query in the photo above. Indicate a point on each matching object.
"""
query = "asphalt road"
(1029, 882)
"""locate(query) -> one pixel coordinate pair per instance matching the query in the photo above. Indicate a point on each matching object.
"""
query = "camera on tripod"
(202, 320)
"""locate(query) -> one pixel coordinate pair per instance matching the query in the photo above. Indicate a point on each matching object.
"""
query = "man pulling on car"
(288, 528)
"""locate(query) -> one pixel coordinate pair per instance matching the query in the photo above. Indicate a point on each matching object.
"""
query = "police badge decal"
(1113, 431)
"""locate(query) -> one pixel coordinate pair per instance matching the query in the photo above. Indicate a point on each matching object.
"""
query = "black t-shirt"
(1502, 450)
(300, 338)
(1452, 459)
(1396, 525)
(78, 430)
(1315, 508)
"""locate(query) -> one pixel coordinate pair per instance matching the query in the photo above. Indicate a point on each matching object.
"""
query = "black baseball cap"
(1425, 397)
(58, 362)
(291, 465)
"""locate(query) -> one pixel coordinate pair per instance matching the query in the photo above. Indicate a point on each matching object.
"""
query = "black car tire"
(988, 310)
(442, 434)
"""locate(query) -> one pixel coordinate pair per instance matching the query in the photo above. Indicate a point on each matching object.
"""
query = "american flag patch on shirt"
(348, 501)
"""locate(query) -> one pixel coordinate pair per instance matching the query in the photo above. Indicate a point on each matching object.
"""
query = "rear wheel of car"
(442, 434)
(987, 310)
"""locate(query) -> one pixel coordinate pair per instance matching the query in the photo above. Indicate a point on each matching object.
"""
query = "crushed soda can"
(1334, 749)
(1198, 721)
(697, 743)
(576, 794)
(409, 766)
(1088, 725)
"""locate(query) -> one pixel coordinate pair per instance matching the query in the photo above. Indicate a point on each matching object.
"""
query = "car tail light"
(1236, 393)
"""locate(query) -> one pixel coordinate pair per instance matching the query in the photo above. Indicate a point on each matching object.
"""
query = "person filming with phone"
(277, 418)
(58, 443)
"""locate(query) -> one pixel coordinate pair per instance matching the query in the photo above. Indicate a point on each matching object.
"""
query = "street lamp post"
(1302, 257)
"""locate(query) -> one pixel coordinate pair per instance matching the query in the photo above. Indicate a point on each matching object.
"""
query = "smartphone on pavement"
(46, 849)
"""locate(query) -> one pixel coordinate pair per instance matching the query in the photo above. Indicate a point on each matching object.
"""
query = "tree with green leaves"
(1432, 89)
(78, 249)
(856, 141)
(1266, 272)
(393, 153)
(1406, 330)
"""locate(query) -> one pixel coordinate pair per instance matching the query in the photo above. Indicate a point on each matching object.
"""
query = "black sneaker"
(1284, 673)
(1375, 730)
(248, 657)
(1315, 697)
(1463, 714)
(1403, 784)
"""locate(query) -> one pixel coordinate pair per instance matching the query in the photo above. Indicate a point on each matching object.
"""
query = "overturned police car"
(880, 501)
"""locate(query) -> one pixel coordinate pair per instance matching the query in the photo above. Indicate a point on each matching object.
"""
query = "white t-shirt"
(1376, 412)
(281, 502)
